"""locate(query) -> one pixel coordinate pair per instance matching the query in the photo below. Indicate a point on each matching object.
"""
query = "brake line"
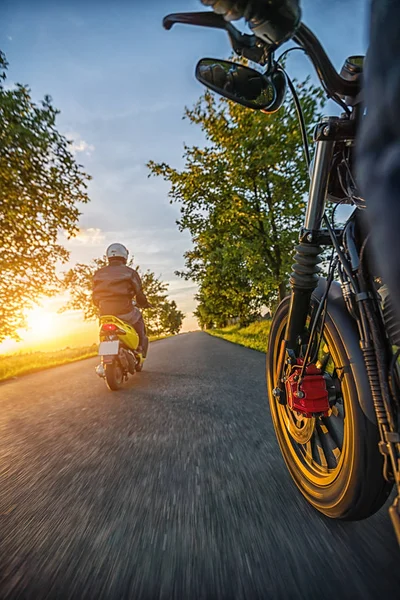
(321, 307)
(302, 123)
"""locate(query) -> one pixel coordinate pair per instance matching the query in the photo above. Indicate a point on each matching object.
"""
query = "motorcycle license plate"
(108, 348)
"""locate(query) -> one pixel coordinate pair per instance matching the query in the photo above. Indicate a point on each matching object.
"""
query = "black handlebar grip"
(204, 19)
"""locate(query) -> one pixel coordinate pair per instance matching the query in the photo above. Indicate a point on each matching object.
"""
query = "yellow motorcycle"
(119, 358)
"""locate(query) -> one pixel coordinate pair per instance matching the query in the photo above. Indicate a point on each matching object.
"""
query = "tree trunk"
(282, 290)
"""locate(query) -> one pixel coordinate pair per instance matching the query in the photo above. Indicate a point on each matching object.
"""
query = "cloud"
(88, 237)
(81, 146)
(78, 145)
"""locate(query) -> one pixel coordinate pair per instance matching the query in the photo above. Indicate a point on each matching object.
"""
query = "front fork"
(304, 278)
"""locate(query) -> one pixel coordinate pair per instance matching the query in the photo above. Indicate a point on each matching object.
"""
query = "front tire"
(114, 376)
(334, 461)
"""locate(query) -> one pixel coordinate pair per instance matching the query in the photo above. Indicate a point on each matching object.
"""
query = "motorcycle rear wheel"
(114, 376)
(334, 461)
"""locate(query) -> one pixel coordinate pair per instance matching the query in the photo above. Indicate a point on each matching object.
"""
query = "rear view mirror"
(237, 82)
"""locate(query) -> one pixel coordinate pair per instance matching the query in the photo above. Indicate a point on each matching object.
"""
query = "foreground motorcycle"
(118, 343)
(332, 374)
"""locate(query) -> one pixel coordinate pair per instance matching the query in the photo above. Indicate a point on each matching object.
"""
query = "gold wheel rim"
(320, 472)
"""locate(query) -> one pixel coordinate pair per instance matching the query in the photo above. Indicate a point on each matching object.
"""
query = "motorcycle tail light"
(109, 327)
(112, 328)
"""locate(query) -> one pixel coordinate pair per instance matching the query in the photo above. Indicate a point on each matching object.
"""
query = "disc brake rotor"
(301, 428)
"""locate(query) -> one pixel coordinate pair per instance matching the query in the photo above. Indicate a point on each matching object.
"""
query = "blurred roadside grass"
(13, 365)
(254, 336)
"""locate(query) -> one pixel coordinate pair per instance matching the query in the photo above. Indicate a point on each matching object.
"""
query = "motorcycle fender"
(349, 334)
(123, 359)
(107, 359)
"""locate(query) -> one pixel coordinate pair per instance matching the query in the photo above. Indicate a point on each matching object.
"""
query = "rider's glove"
(231, 10)
(274, 21)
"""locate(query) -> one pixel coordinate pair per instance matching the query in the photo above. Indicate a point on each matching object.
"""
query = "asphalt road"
(173, 487)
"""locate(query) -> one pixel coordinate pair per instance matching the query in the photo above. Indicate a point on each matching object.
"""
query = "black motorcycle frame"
(356, 272)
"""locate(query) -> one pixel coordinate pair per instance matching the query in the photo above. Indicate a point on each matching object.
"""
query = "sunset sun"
(40, 322)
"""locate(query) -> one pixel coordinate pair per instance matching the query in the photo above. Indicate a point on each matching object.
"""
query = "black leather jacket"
(114, 288)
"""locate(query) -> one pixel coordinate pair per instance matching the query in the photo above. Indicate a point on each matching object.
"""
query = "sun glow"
(47, 329)
(40, 322)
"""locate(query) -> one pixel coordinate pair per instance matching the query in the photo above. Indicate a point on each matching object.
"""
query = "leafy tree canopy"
(41, 186)
(241, 197)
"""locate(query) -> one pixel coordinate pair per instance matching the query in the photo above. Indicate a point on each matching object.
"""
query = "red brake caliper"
(311, 396)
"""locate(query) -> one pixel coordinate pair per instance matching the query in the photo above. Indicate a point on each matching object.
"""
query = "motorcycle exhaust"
(100, 371)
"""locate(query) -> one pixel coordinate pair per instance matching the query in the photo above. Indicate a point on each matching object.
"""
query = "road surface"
(173, 488)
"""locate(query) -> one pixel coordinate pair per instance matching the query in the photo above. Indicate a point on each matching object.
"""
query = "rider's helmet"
(117, 252)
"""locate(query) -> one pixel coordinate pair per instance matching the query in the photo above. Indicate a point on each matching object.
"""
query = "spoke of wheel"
(339, 372)
(320, 450)
(331, 450)
(308, 451)
(324, 362)
(324, 429)
(332, 425)
(335, 411)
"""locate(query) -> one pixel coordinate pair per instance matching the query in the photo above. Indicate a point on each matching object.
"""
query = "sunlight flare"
(40, 322)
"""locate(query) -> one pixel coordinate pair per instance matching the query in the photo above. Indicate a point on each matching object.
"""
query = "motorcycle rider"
(114, 288)
(378, 148)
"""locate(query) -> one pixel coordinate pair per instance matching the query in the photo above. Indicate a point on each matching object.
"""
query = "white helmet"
(117, 251)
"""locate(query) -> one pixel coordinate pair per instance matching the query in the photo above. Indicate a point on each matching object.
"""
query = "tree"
(241, 198)
(163, 318)
(41, 186)
(171, 318)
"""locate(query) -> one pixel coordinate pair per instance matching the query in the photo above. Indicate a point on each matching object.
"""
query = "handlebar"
(203, 19)
(256, 50)
(243, 44)
(329, 77)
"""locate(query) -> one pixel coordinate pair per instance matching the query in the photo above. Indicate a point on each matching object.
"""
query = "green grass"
(254, 336)
(14, 365)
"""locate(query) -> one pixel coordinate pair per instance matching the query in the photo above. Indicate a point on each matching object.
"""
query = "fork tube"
(318, 186)
(305, 275)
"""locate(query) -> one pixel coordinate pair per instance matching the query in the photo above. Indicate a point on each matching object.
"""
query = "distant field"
(254, 336)
(13, 365)
(18, 364)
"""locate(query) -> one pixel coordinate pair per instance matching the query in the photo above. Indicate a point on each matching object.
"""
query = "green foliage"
(78, 282)
(40, 187)
(241, 198)
(254, 336)
(170, 318)
(164, 318)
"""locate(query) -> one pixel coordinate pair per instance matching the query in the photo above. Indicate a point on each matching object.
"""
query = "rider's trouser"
(378, 146)
(135, 319)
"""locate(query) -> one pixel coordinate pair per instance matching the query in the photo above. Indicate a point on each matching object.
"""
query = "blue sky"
(121, 83)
